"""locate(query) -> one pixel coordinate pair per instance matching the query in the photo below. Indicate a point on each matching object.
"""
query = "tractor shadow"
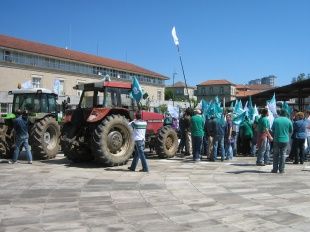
(248, 171)
(61, 160)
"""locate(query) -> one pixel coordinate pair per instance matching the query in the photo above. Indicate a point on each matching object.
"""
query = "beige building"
(180, 92)
(208, 90)
(43, 66)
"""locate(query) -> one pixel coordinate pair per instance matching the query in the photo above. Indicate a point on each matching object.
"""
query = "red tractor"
(98, 128)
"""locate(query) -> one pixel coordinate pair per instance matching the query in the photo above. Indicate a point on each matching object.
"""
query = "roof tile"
(216, 82)
(48, 50)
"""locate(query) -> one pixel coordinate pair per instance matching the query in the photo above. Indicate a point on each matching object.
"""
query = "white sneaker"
(29, 162)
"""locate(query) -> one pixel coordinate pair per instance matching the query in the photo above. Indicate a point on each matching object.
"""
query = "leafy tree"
(301, 77)
(163, 108)
(168, 94)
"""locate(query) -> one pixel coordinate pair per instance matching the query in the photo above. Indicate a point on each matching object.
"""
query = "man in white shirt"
(139, 129)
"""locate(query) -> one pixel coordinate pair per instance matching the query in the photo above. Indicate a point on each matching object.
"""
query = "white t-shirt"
(139, 129)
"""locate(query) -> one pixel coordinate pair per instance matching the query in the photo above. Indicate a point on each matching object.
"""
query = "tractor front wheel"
(167, 142)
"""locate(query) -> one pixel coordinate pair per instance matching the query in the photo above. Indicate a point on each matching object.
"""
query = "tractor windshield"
(112, 97)
(34, 103)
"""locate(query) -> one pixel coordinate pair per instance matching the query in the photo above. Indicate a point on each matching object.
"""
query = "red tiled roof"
(179, 84)
(216, 82)
(259, 87)
(247, 93)
(241, 87)
(47, 50)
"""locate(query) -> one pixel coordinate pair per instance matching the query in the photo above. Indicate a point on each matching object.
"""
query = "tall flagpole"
(176, 41)
(189, 101)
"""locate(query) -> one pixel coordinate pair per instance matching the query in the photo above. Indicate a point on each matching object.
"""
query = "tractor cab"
(102, 98)
(37, 101)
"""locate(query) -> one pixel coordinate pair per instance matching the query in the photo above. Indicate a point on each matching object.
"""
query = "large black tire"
(113, 142)
(44, 139)
(167, 142)
(72, 147)
(6, 142)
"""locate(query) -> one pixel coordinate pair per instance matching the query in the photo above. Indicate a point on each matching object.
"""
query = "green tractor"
(44, 130)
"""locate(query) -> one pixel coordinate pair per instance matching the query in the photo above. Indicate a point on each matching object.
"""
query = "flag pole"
(189, 101)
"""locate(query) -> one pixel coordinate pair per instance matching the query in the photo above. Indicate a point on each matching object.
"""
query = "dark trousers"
(197, 143)
(299, 150)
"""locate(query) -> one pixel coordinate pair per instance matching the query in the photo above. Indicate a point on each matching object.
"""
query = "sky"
(236, 40)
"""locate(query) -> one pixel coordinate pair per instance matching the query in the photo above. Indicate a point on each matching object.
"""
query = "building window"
(211, 90)
(222, 90)
(62, 87)
(36, 81)
(7, 56)
(59, 87)
(159, 95)
(3, 108)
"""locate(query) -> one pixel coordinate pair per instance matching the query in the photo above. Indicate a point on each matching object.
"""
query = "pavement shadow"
(125, 169)
(56, 161)
(247, 171)
(67, 163)
(243, 165)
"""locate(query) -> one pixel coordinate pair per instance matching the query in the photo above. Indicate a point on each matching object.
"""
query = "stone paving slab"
(177, 195)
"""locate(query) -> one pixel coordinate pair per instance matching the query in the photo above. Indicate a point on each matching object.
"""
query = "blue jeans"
(139, 154)
(279, 156)
(235, 145)
(228, 149)
(218, 141)
(263, 152)
(20, 143)
(197, 143)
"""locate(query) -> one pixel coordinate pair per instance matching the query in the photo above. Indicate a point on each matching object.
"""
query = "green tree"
(301, 77)
(163, 108)
(168, 94)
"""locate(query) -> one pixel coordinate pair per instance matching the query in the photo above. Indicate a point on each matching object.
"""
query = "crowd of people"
(221, 138)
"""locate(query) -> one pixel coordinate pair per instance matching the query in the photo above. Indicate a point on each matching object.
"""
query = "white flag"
(56, 86)
(175, 38)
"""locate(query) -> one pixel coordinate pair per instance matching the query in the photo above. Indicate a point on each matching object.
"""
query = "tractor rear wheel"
(113, 142)
(167, 142)
(6, 142)
(44, 138)
(72, 146)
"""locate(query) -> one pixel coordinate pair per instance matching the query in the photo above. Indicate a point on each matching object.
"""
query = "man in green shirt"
(197, 126)
(282, 127)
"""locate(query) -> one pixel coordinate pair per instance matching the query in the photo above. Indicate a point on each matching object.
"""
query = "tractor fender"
(98, 114)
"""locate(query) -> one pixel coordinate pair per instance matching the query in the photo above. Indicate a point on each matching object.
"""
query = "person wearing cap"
(20, 125)
(197, 129)
(139, 129)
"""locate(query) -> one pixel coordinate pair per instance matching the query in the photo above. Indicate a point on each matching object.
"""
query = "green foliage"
(163, 108)
(301, 77)
(169, 94)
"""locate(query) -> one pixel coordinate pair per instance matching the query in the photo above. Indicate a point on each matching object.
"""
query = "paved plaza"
(177, 195)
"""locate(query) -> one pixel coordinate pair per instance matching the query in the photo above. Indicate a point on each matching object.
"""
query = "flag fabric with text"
(175, 37)
(136, 90)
